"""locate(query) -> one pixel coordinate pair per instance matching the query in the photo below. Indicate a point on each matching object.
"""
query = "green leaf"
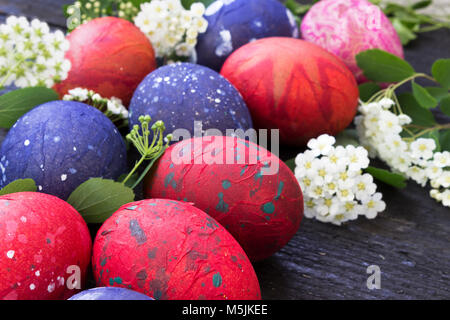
(441, 72)
(21, 185)
(444, 140)
(381, 66)
(420, 116)
(422, 96)
(390, 178)
(347, 137)
(437, 92)
(367, 90)
(97, 199)
(445, 105)
(421, 4)
(291, 164)
(16, 103)
(405, 34)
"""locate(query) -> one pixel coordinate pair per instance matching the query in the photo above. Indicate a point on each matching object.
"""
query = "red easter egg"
(44, 244)
(172, 250)
(247, 189)
(110, 56)
(294, 86)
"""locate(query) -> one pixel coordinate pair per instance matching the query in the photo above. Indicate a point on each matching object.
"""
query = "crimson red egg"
(110, 56)
(172, 250)
(294, 86)
(247, 189)
(45, 247)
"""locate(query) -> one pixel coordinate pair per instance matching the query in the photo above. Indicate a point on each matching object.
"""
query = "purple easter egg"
(232, 24)
(182, 93)
(109, 293)
(60, 145)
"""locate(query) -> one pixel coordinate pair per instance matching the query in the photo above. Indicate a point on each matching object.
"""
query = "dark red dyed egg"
(294, 86)
(247, 189)
(45, 247)
(110, 56)
(172, 250)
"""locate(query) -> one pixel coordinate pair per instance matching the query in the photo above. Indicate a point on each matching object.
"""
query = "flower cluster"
(83, 11)
(382, 132)
(172, 30)
(31, 55)
(112, 108)
(334, 188)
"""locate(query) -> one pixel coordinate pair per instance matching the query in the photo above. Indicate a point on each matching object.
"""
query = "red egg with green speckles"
(45, 247)
(172, 250)
(110, 56)
(247, 189)
(294, 86)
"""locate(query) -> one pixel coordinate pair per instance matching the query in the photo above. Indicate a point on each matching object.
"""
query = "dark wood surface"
(410, 241)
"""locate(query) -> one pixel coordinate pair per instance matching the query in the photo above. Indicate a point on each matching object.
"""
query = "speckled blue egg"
(234, 23)
(60, 145)
(182, 93)
(109, 293)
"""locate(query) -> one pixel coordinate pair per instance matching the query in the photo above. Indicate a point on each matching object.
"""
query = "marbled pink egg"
(347, 27)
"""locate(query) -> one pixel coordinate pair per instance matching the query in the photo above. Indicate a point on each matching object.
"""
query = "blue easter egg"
(182, 93)
(234, 23)
(109, 293)
(60, 145)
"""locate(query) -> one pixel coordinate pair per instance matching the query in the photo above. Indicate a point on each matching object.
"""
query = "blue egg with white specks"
(183, 93)
(109, 293)
(60, 145)
(234, 23)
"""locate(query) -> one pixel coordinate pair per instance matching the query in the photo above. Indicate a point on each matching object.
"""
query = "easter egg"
(347, 27)
(172, 250)
(110, 56)
(45, 247)
(232, 24)
(60, 145)
(182, 93)
(294, 86)
(109, 293)
(247, 189)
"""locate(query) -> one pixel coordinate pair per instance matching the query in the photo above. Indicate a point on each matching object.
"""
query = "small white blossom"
(112, 107)
(31, 55)
(423, 148)
(381, 131)
(322, 145)
(172, 30)
(334, 188)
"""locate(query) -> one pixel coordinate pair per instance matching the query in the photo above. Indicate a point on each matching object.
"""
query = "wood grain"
(410, 241)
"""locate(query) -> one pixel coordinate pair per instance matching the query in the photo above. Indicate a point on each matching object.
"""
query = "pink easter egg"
(347, 27)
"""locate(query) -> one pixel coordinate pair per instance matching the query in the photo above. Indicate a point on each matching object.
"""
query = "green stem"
(137, 165)
(423, 132)
(10, 72)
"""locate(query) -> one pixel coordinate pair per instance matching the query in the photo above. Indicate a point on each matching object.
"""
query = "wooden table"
(410, 241)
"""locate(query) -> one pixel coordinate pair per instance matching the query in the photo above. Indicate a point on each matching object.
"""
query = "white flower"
(112, 108)
(381, 131)
(445, 198)
(442, 159)
(322, 145)
(364, 186)
(172, 30)
(386, 103)
(358, 158)
(334, 188)
(372, 205)
(31, 55)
